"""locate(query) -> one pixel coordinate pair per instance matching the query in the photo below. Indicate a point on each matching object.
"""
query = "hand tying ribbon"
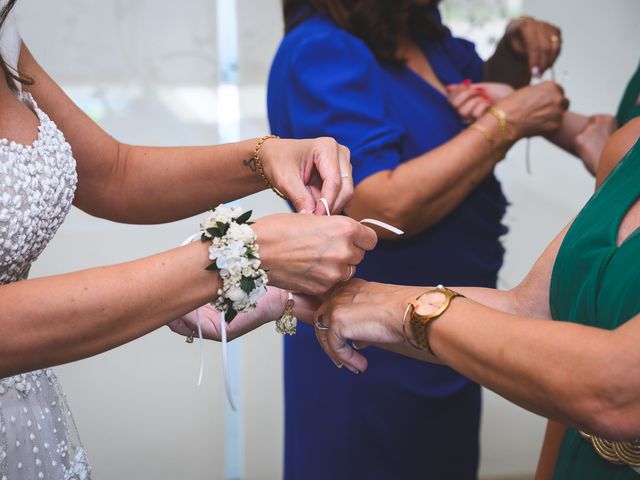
(223, 323)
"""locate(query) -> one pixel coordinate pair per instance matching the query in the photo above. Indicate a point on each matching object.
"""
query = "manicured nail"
(466, 82)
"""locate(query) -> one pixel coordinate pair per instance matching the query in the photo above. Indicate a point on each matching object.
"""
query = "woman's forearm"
(59, 319)
(162, 184)
(419, 193)
(555, 369)
(572, 124)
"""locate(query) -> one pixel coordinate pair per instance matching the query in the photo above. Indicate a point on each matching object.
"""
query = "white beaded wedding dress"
(38, 438)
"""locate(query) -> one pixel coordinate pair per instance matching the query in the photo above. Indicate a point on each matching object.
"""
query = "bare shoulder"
(617, 146)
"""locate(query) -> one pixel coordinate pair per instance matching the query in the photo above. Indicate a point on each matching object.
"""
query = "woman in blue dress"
(373, 75)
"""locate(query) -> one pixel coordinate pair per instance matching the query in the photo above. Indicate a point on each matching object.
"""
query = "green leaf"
(230, 315)
(214, 231)
(213, 267)
(247, 284)
(223, 227)
(244, 217)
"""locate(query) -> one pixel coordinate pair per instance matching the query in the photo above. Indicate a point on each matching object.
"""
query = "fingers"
(543, 45)
(346, 190)
(327, 162)
(337, 347)
(474, 108)
(365, 237)
(461, 95)
(555, 38)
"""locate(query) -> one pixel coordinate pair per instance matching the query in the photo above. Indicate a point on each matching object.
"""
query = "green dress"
(597, 283)
(630, 105)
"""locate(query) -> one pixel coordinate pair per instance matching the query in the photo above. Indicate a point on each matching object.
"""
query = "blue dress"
(401, 419)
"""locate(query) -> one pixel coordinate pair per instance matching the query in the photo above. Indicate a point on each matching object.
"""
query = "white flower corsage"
(235, 255)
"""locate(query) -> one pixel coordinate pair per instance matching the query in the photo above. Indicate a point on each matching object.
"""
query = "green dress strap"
(630, 104)
(596, 282)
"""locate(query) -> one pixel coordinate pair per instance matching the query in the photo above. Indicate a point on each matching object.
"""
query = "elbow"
(608, 406)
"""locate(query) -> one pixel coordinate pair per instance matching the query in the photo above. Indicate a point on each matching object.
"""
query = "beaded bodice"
(37, 185)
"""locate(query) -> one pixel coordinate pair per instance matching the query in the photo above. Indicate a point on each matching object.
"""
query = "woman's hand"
(270, 308)
(310, 254)
(539, 42)
(472, 100)
(534, 110)
(363, 312)
(306, 170)
(590, 142)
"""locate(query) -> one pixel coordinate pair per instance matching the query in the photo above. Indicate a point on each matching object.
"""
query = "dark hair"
(10, 73)
(381, 24)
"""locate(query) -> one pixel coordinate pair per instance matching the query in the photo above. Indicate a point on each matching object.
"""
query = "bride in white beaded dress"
(53, 320)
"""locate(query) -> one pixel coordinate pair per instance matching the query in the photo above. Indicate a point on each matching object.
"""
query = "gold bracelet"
(484, 133)
(495, 152)
(260, 167)
(404, 329)
(502, 122)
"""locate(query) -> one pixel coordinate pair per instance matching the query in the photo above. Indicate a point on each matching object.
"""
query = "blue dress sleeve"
(336, 90)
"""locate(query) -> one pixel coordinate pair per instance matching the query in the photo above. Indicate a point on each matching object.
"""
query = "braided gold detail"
(627, 453)
(260, 167)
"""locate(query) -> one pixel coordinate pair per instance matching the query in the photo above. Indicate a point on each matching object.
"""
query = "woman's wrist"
(249, 165)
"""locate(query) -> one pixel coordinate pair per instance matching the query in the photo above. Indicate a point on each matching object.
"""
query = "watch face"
(430, 302)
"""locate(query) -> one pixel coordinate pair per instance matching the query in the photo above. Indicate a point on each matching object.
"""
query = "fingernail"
(535, 71)
(353, 370)
(466, 82)
(304, 210)
(478, 89)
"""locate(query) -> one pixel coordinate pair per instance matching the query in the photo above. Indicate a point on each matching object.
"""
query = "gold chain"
(260, 167)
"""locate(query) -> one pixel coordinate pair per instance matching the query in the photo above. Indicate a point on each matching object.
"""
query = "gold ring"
(554, 39)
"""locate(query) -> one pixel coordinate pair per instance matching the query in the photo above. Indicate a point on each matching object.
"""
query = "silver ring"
(352, 272)
(189, 339)
(319, 325)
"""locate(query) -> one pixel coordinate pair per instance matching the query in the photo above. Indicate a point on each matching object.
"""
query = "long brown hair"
(381, 24)
(10, 73)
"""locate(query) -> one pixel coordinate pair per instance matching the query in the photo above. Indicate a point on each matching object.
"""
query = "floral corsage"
(235, 255)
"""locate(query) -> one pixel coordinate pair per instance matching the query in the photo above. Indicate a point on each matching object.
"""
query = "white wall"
(146, 71)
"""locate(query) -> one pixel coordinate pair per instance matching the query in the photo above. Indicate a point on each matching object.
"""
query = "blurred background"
(162, 72)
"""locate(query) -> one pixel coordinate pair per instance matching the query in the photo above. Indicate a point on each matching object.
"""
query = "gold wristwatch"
(425, 308)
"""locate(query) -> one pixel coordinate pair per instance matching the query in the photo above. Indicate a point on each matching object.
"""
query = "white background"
(146, 70)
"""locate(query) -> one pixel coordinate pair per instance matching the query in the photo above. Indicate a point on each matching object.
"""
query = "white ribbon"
(223, 323)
